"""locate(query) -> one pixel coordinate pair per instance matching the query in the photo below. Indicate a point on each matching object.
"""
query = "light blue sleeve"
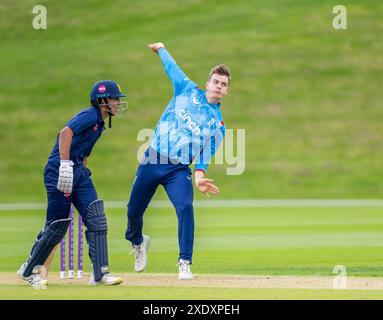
(180, 81)
(208, 151)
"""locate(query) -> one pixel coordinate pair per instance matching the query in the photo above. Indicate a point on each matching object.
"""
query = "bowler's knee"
(186, 208)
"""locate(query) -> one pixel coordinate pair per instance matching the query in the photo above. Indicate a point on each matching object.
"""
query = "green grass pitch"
(239, 241)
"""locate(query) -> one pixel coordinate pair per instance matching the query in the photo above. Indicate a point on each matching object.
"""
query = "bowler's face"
(217, 86)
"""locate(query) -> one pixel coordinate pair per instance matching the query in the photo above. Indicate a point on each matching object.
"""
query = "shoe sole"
(118, 281)
(180, 278)
(42, 285)
(183, 277)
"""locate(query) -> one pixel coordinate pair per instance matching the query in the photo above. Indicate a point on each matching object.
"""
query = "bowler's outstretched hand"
(206, 186)
(156, 46)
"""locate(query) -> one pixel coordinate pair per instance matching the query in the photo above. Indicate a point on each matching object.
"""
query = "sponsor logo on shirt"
(196, 101)
(211, 121)
(185, 116)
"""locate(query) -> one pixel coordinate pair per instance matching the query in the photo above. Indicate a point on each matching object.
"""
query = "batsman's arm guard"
(45, 242)
(96, 236)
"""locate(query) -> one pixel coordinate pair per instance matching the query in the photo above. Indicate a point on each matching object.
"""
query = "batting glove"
(65, 181)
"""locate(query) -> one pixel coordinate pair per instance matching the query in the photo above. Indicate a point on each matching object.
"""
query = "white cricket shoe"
(37, 282)
(141, 254)
(184, 270)
(106, 280)
(34, 279)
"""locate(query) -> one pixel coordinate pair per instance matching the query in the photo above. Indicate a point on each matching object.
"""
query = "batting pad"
(48, 238)
(96, 235)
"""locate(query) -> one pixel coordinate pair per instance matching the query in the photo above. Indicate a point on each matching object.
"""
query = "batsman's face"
(217, 86)
(117, 108)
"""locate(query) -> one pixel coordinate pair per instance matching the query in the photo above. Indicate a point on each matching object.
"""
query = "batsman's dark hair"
(103, 101)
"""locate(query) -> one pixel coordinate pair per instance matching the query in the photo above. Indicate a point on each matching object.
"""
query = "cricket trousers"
(83, 193)
(177, 181)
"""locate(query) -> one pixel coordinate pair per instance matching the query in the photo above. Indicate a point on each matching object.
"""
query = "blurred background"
(308, 96)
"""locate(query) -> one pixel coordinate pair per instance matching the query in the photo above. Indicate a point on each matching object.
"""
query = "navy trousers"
(177, 181)
(83, 194)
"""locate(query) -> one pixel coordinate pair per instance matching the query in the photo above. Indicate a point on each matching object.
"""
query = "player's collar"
(99, 115)
(213, 105)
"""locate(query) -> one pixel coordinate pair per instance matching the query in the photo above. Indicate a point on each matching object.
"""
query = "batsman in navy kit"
(191, 128)
(67, 180)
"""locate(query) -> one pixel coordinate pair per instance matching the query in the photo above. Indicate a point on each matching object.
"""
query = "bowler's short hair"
(222, 70)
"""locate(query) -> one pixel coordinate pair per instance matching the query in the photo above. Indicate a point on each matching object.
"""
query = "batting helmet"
(105, 89)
